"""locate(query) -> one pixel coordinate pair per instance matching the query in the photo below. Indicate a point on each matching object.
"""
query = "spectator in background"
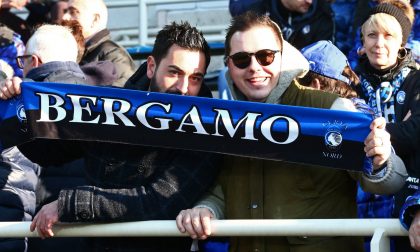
(265, 70)
(40, 12)
(301, 21)
(237, 7)
(344, 18)
(10, 47)
(414, 39)
(102, 73)
(57, 11)
(390, 85)
(93, 17)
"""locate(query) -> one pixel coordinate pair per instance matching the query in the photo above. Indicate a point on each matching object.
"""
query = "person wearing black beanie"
(390, 84)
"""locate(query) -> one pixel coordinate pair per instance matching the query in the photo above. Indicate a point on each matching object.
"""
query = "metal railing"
(144, 33)
(379, 229)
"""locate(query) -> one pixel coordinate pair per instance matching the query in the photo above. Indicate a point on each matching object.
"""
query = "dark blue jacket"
(237, 7)
(299, 29)
(344, 17)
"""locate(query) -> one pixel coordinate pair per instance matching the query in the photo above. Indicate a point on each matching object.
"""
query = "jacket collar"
(97, 39)
(43, 71)
(293, 64)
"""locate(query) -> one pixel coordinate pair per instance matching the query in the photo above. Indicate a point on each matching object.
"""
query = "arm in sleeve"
(391, 180)
(214, 201)
(170, 189)
(411, 205)
(405, 135)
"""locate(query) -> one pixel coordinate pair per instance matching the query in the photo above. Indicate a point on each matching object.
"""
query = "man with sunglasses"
(262, 67)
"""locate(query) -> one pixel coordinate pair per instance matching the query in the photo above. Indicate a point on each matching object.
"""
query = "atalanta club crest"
(21, 115)
(333, 139)
(333, 136)
(401, 97)
(20, 112)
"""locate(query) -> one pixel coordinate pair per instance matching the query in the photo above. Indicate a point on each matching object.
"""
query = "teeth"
(259, 79)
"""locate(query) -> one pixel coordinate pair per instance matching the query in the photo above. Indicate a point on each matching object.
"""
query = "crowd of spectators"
(363, 54)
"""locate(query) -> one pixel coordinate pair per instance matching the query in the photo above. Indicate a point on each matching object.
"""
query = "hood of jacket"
(375, 78)
(100, 73)
(57, 71)
(293, 64)
(140, 81)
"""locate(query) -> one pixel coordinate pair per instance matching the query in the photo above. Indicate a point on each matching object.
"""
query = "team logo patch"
(333, 136)
(306, 29)
(401, 97)
(20, 112)
(21, 115)
(333, 139)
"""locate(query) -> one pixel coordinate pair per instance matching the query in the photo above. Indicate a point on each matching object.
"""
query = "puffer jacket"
(18, 180)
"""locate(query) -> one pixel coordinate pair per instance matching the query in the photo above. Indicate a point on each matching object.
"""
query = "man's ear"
(36, 61)
(151, 67)
(315, 84)
(96, 19)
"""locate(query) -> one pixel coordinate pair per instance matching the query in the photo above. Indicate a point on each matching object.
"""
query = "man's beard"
(155, 88)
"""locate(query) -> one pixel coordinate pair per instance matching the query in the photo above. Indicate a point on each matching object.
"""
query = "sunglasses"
(242, 59)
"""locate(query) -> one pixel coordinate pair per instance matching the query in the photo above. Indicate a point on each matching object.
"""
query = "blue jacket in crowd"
(11, 46)
(237, 7)
(344, 16)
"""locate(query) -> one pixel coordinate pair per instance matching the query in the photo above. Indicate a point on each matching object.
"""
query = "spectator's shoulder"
(6, 36)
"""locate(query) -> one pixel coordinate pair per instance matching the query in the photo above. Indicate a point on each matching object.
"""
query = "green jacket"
(264, 189)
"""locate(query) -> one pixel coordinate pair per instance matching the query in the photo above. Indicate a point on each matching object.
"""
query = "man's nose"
(254, 65)
(182, 85)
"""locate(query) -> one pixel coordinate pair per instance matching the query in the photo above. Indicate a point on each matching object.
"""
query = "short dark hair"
(245, 22)
(182, 35)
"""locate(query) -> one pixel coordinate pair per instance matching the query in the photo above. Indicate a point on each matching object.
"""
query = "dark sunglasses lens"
(241, 59)
(265, 57)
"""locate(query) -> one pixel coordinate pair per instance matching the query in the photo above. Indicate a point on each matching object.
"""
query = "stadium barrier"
(379, 229)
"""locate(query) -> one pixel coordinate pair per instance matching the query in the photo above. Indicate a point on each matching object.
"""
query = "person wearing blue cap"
(329, 69)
